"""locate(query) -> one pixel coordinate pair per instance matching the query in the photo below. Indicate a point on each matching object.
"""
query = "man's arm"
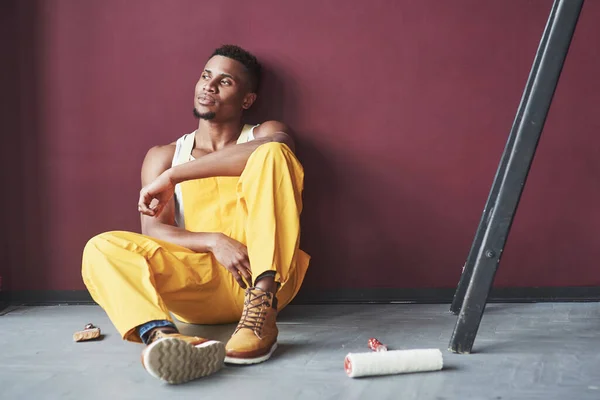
(158, 159)
(231, 160)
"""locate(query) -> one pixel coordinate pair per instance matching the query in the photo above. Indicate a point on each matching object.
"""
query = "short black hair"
(246, 58)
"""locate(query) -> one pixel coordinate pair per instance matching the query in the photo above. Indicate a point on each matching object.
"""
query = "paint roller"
(384, 362)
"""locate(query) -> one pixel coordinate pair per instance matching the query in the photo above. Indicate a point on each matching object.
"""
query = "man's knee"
(275, 154)
(97, 249)
(273, 151)
(100, 243)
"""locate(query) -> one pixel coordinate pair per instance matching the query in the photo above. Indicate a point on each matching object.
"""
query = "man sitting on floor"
(220, 221)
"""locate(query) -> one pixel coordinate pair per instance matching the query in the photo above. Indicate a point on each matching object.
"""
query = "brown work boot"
(255, 337)
(177, 358)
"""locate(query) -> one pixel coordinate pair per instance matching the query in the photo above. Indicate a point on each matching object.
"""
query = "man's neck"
(213, 136)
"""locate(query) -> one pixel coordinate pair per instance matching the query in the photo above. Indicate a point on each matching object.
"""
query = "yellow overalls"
(137, 278)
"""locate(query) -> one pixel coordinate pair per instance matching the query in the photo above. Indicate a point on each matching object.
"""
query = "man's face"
(223, 90)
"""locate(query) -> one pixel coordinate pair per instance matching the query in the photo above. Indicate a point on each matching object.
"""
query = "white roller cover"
(393, 362)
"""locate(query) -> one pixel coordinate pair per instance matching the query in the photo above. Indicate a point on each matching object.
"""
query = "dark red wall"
(401, 109)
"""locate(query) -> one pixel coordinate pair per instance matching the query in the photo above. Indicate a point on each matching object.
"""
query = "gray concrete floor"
(523, 351)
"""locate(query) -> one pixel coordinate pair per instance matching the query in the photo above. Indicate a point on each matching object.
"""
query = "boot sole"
(176, 361)
(255, 360)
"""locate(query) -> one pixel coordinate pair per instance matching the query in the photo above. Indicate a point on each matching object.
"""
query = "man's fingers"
(244, 269)
(153, 203)
(158, 208)
(249, 280)
(144, 202)
(238, 278)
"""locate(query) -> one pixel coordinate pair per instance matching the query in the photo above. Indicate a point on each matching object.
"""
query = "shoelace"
(253, 316)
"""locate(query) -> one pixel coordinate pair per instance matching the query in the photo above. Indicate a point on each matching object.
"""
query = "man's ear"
(249, 99)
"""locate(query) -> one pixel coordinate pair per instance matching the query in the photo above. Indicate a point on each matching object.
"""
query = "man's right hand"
(233, 255)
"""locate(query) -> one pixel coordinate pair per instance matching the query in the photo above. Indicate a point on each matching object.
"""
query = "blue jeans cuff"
(144, 329)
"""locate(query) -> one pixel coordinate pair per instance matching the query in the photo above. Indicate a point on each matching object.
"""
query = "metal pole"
(511, 177)
(467, 271)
